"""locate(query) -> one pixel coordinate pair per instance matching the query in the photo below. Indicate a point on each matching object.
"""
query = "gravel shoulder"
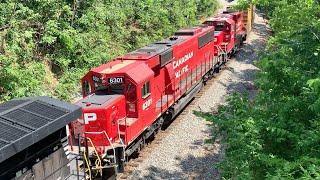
(183, 153)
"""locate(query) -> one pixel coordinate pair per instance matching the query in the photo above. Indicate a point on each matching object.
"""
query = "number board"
(115, 80)
(96, 79)
(210, 23)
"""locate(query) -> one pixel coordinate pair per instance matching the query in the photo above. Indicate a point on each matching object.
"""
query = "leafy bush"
(277, 135)
(46, 46)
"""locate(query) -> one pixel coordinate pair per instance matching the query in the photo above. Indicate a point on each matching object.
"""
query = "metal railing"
(222, 51)
(183, 83)
(109, 140)
(73, 170)
(119, 136)
(98, 161)
(87, 161)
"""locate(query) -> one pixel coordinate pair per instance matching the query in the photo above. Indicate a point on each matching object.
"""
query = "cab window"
(116, 89)
(145, 90)
(219, 26)
(86, 88)
(131, 92)
(102, 89)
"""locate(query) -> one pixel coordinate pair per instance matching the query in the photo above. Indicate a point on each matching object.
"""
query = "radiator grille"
(44, 110)
(10, 104)
(9, 132)
(25, 118)
(2, 143)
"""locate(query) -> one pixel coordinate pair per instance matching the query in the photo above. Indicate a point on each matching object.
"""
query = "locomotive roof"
(114, 66)
(231, 11)
(153, 49)
(138, 71)
(218, 18)
(26, 121)
(189, 31)
(149, 51)
(159, 47)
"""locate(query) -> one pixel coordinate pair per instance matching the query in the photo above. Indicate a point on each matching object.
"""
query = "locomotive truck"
(127, 100)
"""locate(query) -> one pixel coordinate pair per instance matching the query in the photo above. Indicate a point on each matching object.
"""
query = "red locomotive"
(127, 100)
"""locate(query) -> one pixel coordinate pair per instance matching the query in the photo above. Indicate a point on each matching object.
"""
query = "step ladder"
(107, 161)
(121, 140)
(223, 51)
(109, 141)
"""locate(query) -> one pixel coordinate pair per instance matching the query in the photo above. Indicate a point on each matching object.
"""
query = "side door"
(147, 104)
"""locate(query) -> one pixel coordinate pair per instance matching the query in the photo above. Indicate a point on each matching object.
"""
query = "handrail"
(87, 162)
(114, 152)
(105, 133)
(199, 71)
(221, 50)
(99, 160)
(123, 145)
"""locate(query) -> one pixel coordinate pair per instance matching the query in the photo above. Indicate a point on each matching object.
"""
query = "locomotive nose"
(100, 119)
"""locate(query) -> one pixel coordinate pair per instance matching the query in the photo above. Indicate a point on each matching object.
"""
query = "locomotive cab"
(112, 95)
(226, 28)
(240, 29)
(103, 109)
(224, 25)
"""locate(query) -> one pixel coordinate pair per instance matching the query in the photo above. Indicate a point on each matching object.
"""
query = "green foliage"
(47, 45)
(277, 135)
(27, 77)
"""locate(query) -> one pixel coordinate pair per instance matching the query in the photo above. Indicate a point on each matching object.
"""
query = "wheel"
(120, 161)
(211, 73)
(217, 69)
(241, 41)
(229, 55)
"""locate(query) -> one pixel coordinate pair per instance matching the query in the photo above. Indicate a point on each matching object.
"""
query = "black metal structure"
(30, 128)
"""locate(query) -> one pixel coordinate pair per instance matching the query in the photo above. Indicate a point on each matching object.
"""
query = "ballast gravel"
(182, 153)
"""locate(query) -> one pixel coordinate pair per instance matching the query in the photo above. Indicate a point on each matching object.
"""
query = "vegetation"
(277, 135)
(47, 45)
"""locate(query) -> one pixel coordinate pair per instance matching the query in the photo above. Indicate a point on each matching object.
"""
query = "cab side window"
(86, 88)
(145, 91)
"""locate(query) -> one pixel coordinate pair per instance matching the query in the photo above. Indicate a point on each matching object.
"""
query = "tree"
(46, 46)
(277, 135)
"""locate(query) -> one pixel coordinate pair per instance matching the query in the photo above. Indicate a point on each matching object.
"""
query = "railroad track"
(155, 142)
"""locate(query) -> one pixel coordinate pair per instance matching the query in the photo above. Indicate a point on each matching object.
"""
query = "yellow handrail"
(99, 163)
(87, 162)
(114, 153)
(105, 133)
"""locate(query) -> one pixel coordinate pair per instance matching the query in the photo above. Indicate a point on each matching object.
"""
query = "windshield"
(219, 27)
(102, 89)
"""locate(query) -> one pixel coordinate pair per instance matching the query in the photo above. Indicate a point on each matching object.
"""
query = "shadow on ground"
(190, 167)
(252, 49)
